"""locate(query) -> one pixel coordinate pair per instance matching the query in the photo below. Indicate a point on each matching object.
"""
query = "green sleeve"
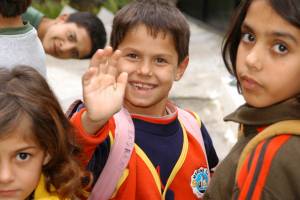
(33, 16)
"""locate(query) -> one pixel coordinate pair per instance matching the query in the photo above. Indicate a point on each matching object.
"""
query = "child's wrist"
(91, 126)
(89, 119)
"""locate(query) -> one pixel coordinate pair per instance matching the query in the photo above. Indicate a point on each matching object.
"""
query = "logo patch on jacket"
(199, 181)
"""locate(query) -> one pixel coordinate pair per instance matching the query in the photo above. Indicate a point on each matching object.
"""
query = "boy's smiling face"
(152, 66)
(67, 40)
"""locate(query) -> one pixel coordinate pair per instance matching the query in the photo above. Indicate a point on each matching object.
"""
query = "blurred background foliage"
(52, 8)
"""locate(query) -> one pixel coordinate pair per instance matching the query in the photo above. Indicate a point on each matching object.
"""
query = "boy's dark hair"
(287, 9)
(94, 27)
(13, 8)
(157, 16)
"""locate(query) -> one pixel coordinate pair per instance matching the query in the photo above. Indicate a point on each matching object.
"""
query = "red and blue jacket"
(167, 162)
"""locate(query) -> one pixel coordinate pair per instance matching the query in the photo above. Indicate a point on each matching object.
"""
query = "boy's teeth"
(141, 85)
(138, 85)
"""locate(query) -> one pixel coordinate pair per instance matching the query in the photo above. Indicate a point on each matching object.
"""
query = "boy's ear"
(62, 18)
(181, 68)
(47, 158)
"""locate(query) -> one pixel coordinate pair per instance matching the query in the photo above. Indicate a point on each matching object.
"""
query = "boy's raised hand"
(103, 89)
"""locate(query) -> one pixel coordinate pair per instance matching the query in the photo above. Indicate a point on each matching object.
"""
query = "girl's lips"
(7, 193)
(249, 83)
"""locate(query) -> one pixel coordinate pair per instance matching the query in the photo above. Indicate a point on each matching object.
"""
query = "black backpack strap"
(73, 108)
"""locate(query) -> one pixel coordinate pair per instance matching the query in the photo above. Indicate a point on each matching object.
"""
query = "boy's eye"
(71, 37)
(280, 48)
(132, 55)
(248, 37)
(161, 60)
(23, 156)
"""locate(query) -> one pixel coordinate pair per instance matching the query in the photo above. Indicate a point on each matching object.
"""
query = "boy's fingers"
(112, 71)
(122, 82)
(97, 57)
(100, 57)
(122, 79)
(112, 63)
(114, 58)
(86, 78)
(108, 50)
(103, 65)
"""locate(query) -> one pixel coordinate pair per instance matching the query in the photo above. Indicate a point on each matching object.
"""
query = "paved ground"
(204, 87)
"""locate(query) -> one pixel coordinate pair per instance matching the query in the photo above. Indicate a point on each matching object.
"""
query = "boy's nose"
(6, 173)
(145, 69)
(254, 58)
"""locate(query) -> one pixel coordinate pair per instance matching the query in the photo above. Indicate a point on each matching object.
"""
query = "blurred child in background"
(19, 43)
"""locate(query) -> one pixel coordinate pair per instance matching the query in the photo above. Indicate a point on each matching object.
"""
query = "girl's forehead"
(21, 129)
(14, 142)
(259, 5)
(267, 15)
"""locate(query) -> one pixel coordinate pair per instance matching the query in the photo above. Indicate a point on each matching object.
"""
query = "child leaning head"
(262, 50)
(34, 139)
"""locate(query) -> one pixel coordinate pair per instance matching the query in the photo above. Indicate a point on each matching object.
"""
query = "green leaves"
(92, 6)
(52, 8)
(115, 5)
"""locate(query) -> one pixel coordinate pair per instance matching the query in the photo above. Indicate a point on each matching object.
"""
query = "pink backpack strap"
(118, 158)
(193, 127)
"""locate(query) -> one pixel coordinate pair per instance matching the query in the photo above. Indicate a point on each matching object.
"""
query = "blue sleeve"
(212, 156)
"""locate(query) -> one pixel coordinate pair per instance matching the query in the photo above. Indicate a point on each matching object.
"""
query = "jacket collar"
(248, 115)
(41, 192)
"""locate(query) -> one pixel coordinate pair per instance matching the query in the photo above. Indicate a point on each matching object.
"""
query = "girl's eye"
(248, 37)
(280, 48)
(23, 156)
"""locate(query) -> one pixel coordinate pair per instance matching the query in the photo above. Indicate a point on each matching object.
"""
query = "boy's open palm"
(103, 86)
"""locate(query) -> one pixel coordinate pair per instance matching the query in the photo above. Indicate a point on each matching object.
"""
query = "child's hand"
(103, 89)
